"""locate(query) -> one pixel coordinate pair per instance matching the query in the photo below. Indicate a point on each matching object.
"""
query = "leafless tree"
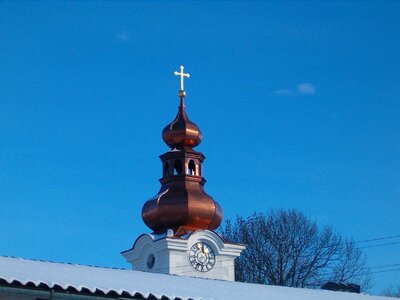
(392, 292)
(288, 249)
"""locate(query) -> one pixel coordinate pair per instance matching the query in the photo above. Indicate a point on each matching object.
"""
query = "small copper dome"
(182, 132)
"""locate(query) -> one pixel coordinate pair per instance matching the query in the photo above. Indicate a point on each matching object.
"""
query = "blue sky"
(298, 103)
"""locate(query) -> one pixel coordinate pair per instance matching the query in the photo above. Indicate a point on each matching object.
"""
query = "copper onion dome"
(182, 203)
(182, 132)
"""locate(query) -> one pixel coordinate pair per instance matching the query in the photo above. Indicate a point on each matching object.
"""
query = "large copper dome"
(182, 206)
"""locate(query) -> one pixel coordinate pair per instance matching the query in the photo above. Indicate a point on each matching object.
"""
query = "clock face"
(202, 257)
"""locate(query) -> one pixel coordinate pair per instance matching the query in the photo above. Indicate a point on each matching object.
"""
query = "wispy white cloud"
(306, 88)
(122, 36)
(283, 92)
(300, 89)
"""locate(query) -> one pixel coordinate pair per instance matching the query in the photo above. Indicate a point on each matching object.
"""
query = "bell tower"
(182, 215)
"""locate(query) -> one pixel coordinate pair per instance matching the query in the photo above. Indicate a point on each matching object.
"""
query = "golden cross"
(181, 74)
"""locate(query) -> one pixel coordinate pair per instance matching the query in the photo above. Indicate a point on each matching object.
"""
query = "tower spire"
(182, 203)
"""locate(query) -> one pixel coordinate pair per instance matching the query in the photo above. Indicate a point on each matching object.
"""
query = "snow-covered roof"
(128, 283)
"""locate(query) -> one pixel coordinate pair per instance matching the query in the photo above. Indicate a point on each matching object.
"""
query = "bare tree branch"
(286, 248)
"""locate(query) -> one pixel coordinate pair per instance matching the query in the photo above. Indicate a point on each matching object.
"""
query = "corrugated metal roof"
(128, 283)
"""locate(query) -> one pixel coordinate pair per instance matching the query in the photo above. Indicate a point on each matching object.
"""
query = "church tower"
(182, 215)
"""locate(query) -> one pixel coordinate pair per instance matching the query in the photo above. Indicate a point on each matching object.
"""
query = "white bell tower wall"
(170, 255)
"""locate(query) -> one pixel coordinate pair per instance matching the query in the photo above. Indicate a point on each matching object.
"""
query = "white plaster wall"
(172, 255)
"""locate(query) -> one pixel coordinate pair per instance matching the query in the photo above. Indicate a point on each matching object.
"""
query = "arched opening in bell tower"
(192, 168)
(178, 167)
